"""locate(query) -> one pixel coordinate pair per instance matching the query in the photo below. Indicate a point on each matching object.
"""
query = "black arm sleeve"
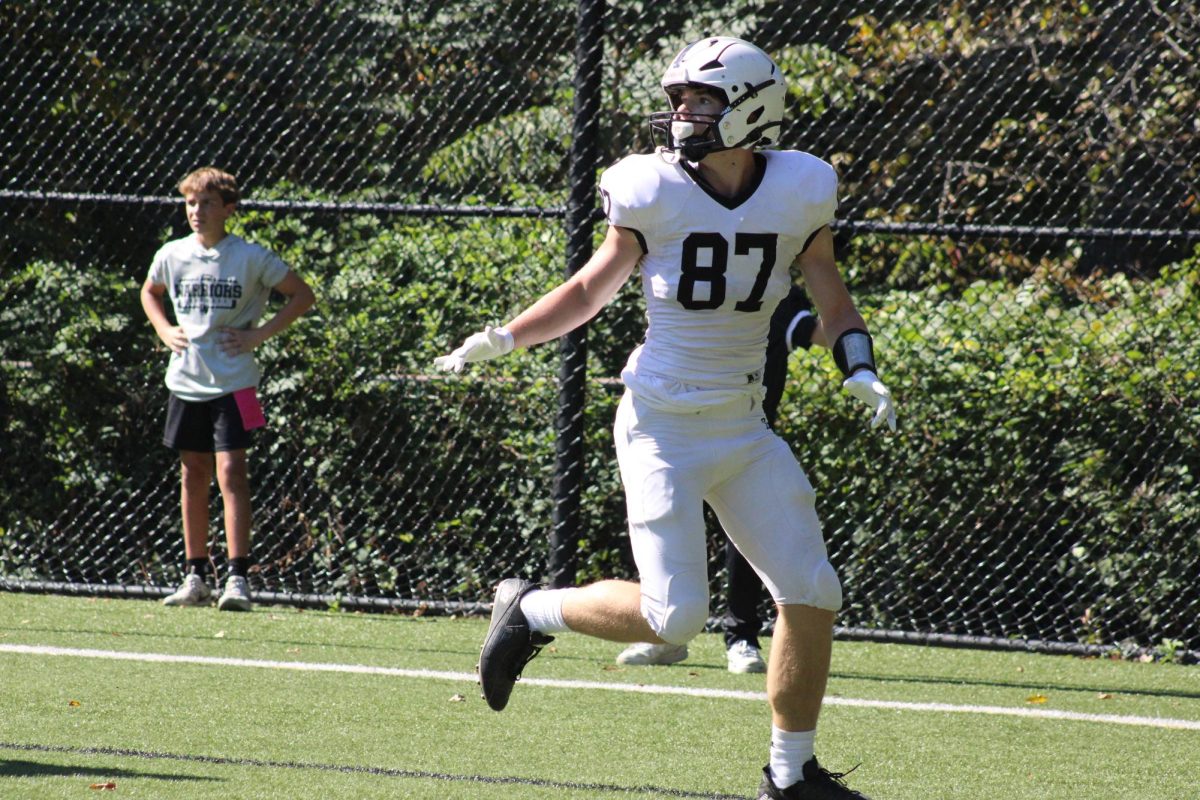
(775, 372)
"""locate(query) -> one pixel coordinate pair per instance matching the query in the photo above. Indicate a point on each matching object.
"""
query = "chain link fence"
(1018, 223)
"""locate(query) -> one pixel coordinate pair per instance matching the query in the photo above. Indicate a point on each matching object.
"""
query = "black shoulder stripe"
(641, 240)
(812, 236)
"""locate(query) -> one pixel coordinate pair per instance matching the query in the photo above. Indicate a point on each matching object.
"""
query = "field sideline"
(193, 703)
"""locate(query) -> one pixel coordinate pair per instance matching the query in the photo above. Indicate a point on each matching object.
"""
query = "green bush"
(1048, 440)
(1043, 477)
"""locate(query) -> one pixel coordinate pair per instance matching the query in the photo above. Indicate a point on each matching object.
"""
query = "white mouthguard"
(682, 130)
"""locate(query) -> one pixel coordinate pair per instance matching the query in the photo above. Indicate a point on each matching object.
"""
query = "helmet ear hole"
(754, 115)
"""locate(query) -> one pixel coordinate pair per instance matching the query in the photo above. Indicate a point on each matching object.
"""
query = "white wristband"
(509, 341)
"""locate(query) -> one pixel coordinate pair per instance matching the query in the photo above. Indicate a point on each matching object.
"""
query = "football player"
(715, 226)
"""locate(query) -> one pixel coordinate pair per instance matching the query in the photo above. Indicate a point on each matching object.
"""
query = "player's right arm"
(562, 309)
(152, 295)
(580, 297)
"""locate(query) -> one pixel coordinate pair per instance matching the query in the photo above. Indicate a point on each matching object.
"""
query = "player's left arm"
(843, 326)
(300, 298)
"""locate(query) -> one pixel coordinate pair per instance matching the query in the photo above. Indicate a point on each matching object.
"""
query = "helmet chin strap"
(696, 148)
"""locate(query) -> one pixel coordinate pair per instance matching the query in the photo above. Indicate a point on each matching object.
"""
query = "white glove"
(488, 343)
(866, 386)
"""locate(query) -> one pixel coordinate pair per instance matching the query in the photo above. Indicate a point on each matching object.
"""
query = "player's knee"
(825, 590)
(682, 623)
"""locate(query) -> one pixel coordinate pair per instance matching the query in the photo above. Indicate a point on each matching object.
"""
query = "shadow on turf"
(598, 789)
(35, 769)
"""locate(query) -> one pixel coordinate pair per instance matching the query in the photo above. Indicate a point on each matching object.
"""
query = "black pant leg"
(744, 594)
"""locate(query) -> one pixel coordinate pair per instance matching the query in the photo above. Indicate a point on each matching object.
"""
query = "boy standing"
(219, 285)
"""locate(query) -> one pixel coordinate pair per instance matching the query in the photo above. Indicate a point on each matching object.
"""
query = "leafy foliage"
(1054, 431)
(1047, 383)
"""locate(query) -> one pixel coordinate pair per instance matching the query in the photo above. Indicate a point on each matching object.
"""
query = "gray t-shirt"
(226, 286)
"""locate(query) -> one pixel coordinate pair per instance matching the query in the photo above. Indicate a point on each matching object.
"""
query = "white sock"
(789, 752)
(543, 609)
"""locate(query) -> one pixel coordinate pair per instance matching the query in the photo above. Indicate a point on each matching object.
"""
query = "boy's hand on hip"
(866, 386)
(488, 343)
(235, 341)
(176, 339)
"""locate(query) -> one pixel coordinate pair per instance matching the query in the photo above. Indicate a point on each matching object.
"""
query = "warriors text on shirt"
(205, 292)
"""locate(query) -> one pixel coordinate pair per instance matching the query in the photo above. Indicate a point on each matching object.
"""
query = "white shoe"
(645, 653)
(236, 596)
(744, 657)
(193, 592)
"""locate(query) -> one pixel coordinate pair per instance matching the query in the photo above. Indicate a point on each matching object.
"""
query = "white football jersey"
(714, 269)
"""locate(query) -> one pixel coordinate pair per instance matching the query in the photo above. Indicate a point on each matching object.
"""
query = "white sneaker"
(236, 596)
(193, 592)
(645, 653)
(744, 657)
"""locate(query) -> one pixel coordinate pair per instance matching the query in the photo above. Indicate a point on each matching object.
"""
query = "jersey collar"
(760, 171)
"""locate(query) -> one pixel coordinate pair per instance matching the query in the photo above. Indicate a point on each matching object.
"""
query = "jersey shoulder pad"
(816, 178)
(630, 190)
(812, 185)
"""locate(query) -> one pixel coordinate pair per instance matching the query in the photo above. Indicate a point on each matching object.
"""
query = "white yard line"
(467, 677)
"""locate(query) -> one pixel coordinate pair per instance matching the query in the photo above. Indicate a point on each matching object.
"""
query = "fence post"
(568, 446)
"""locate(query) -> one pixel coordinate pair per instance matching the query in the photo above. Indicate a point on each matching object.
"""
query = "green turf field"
(280, 703)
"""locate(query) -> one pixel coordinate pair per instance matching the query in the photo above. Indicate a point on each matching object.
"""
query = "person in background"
(219, 285)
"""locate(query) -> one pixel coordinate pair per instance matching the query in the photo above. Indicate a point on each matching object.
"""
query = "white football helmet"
(753, 88)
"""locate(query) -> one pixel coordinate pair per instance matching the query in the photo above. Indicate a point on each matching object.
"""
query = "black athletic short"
(210, 426)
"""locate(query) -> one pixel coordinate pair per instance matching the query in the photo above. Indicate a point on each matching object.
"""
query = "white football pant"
(671, 463)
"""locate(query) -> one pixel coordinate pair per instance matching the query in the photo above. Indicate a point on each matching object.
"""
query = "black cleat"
(509, 644)
(818, 784)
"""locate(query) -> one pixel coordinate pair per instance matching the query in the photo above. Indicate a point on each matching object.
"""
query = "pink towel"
(249, 408)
